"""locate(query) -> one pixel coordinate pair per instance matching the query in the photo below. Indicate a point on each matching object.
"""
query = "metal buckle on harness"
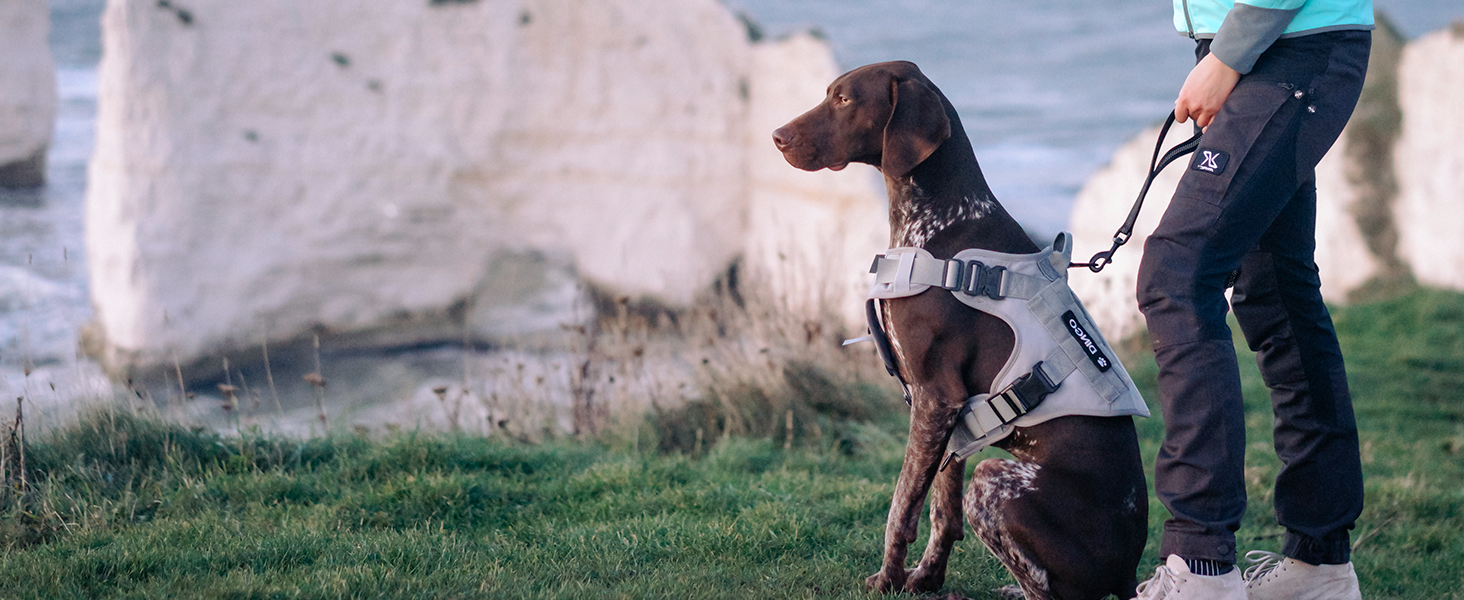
(1020, 398)
(1023, 395)
(954, 275)
(983, 280)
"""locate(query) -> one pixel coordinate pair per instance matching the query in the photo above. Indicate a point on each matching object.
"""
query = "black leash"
(1156, 164)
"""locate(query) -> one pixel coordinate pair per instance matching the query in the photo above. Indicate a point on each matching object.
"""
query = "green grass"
(129, 507)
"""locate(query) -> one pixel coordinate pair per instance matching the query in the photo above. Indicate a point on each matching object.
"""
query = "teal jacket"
(1241, 31)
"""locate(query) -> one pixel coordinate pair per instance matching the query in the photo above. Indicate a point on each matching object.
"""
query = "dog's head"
(886, 114)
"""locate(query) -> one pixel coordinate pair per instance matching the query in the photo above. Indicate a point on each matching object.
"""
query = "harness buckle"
(954, 275)
(983, 280)
(1023, 395)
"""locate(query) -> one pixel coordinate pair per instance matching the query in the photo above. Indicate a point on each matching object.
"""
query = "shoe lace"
(1158, 586)
(1262, 563)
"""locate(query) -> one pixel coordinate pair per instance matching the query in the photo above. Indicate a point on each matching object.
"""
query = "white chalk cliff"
(27, 92)
(264, 168)
(810, 235)
(1430, 158)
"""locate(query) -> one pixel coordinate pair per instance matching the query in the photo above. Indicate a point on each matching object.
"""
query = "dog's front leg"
(931, 419)
(946, 527)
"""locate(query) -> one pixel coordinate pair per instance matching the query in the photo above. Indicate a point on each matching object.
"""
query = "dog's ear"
(918, 125)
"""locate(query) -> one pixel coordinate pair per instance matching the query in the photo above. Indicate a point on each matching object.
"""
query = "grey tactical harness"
(1055, 338)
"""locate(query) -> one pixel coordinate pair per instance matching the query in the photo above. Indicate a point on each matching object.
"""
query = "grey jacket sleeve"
(1247, 32)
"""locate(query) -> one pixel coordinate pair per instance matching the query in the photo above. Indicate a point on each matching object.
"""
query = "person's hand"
(1204, 91)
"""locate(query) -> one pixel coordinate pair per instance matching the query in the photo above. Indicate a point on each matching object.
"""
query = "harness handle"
(1156, 165)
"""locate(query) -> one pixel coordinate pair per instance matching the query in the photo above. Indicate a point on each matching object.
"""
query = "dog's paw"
(1010, 592)
(922, 580)
(885, 582)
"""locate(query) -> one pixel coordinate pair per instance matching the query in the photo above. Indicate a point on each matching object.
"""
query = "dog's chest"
(917, 216)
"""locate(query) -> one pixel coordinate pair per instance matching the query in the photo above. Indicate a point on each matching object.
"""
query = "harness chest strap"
(904, 272)
(898, 272)
(984, 412)
(989, 413)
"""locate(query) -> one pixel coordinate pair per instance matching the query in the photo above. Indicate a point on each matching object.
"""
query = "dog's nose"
(782, 137)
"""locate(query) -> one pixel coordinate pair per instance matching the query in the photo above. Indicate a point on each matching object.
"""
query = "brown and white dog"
(1069, 516)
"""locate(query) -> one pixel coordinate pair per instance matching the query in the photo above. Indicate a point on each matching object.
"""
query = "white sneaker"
(1174, 581)
(1274, 576)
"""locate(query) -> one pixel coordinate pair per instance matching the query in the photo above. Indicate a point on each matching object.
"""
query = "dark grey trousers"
(1248, 202)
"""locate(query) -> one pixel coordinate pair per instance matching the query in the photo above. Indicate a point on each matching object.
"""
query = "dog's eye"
(842, 99)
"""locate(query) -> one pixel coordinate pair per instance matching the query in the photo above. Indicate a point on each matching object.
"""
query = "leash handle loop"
(1156, 165)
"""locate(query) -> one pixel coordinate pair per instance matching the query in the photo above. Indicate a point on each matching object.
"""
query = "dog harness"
(1060, 365)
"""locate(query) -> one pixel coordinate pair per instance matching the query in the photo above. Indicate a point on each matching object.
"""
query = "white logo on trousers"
(1208, 161)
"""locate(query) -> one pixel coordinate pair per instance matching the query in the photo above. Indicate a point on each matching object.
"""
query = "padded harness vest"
(1060, 365)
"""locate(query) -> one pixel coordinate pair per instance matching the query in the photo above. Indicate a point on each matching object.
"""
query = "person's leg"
(1241, 179)
(1198, 243)
(1279, 306)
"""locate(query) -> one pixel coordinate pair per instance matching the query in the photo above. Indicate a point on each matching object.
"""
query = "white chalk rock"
(267, 167)
(811, 235)
(27, 92)
(1430, 162)
(1344, 257)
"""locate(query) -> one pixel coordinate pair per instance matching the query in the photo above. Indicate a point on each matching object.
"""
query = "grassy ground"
(127, 507)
